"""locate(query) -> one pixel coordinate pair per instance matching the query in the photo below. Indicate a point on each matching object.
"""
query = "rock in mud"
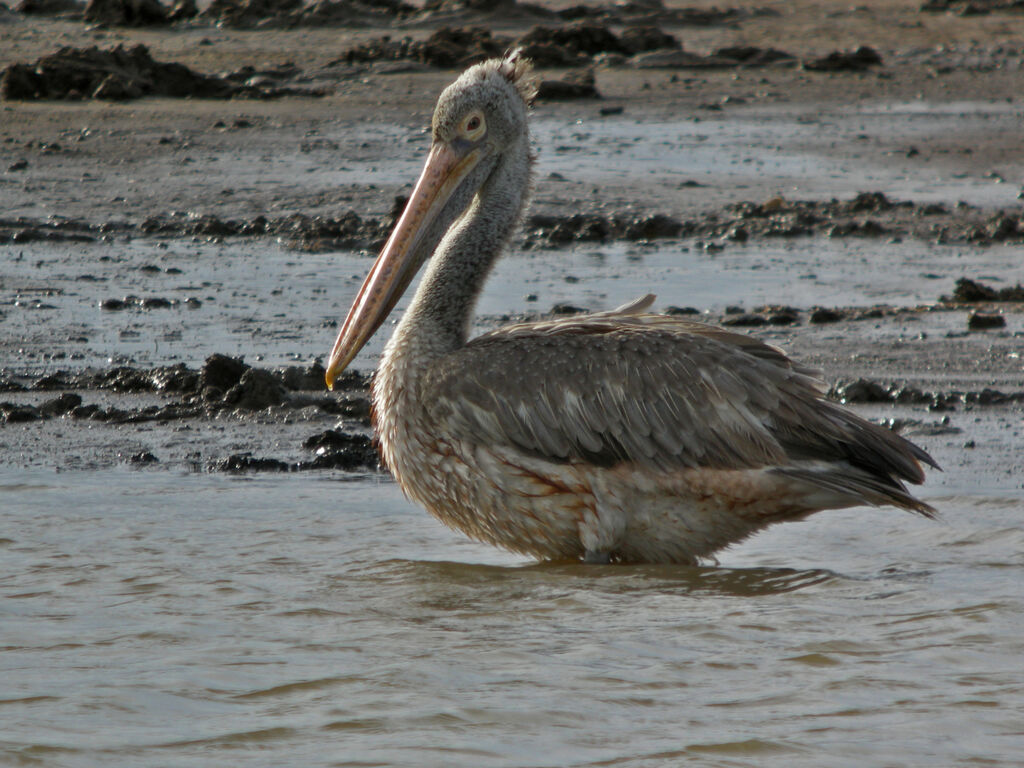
(753, 56)
(256, 389)
(969, 292)
(641, 39)
(340, 450)
(656, 226)
(68, 9)
(126, 13)
(578, 84)
(984, 321)
(822, 315)
(59, 406)
(270, 14)
(118, 74)
(862, 391)
(858, 60)
(446, 48)
(246, 462)
(13, 413)
(221, 372)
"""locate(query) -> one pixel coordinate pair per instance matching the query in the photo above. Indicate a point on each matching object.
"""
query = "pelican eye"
(473, 126)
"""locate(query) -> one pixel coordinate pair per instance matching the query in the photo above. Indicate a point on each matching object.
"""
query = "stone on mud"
(121, 73)
(983, 321)
(66, 8)
(61, 405)
(256, 389)
(221, 372)
(14, 413)
(126, 13)
(578, 84)
(969, 291)
(858, 60)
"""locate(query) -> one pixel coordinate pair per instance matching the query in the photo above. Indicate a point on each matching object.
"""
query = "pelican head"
(478, 119)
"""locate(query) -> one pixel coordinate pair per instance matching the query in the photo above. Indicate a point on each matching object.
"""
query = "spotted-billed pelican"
(618, 436)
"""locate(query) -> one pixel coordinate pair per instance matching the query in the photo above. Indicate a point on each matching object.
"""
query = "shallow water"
(161, 617)
(155, 619)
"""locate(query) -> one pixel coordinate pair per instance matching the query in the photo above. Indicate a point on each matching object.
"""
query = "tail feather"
(852, 486)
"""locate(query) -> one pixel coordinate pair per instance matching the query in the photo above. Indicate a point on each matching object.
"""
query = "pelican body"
(621, 436)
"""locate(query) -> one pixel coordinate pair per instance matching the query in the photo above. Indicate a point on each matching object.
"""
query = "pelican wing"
(662, 393)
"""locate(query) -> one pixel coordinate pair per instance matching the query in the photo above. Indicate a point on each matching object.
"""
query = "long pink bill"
(396, 266)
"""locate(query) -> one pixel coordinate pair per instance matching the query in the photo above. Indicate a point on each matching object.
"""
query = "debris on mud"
(866, 215)
(984, 321)
(867, 391)
(579, 44)
(859, 60)
(971, 7)
(445, 48)
(71, 10)
(122, 74)
(577, 84)
(130, 13)
(968, 292)
(332, 450)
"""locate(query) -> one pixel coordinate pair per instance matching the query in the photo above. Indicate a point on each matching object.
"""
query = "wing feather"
(662, 393)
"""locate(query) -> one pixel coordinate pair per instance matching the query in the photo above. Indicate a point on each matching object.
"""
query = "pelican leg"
(592, 557)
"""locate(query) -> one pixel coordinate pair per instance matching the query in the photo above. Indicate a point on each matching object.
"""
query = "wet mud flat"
(188, 190)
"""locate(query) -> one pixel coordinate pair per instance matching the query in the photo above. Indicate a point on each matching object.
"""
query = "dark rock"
(183, 10)
(564, 308)
(120, 73)
(968, 291)
(57, 380)
(785, 316)
(863, 391)
(85, 411)
(246, 462)
(653, 227)
(60, 406)
(576, 39)
(13, 413)
(858, 60)
(646, 38)
(175, 378)
(745, 320)
(577, 84)
(142, 458)
(873, 202)
(752, 56)
(126, 13)
(979, 321)
(297, 378)
(821, 315)
(340, 450)
(221, 372)
(447, 48)
(257, 389)
(115, 87)
(682, 311)
(66, 8)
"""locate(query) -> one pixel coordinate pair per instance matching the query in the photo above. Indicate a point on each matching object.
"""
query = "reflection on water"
(155, 619)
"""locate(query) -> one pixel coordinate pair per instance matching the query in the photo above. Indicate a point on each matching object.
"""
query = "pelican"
(620, 436)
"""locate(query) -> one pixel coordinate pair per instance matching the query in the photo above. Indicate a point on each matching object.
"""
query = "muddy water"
(155, 619)
(166, 617)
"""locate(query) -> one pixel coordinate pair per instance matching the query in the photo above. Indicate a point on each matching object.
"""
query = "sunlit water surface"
(161, 619)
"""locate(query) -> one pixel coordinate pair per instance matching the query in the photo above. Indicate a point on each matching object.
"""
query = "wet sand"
(154, 232)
